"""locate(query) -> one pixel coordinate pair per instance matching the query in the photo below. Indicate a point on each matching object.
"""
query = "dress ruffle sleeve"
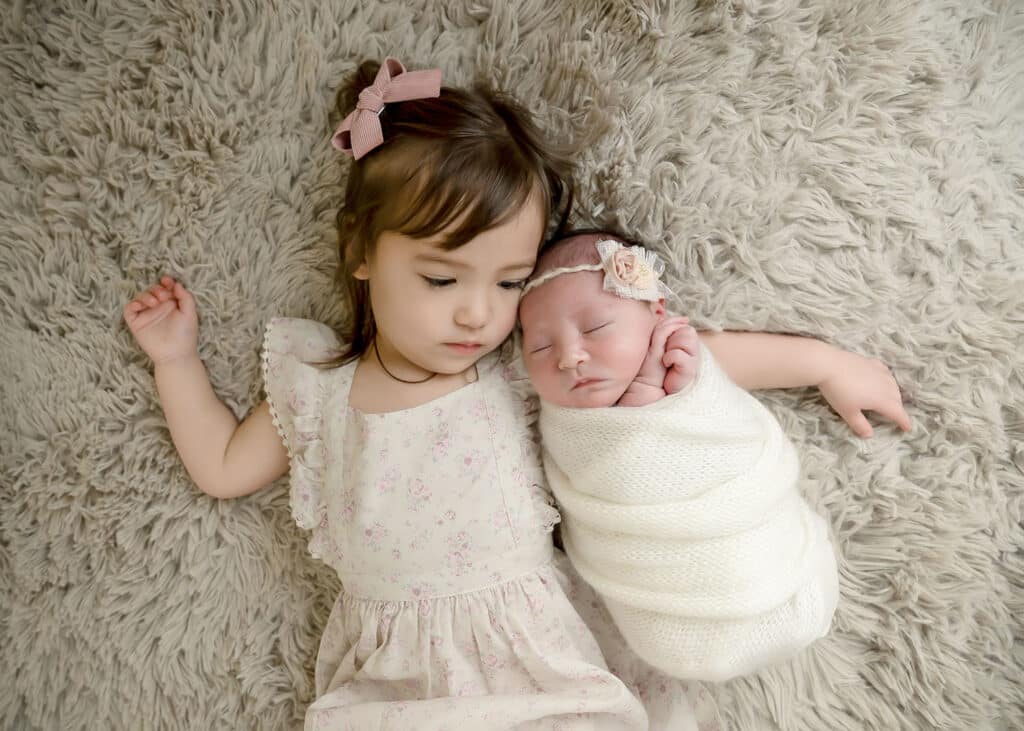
(296, 392)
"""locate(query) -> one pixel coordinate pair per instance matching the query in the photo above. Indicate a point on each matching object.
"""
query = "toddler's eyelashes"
(437, 282)
(440, 282)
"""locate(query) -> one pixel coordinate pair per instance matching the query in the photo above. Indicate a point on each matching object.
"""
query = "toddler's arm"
(849, 382)
(223, 458)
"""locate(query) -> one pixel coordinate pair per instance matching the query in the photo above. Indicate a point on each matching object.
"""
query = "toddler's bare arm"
(850, 382)
(768, 360)
(224, 458)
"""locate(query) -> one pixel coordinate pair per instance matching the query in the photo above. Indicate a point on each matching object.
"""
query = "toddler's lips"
(464, 348)
(584, 382)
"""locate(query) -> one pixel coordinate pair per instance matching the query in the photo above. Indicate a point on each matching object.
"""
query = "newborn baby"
(683, 514)
(589, 346)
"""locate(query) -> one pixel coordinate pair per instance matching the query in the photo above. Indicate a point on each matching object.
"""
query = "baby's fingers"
(685, 338)
(675, 357)
(658, 337)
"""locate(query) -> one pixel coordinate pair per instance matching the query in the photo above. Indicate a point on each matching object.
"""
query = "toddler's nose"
(473, 312)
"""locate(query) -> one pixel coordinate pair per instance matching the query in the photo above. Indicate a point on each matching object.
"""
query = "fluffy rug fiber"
(847, 169)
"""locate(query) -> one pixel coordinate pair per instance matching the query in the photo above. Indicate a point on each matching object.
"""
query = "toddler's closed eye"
(438, 282)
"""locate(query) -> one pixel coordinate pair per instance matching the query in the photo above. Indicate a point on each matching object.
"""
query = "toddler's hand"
(858, 384)
(164, 322)
(682, 357)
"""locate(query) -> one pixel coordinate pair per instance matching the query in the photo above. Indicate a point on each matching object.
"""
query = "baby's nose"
(571, 358)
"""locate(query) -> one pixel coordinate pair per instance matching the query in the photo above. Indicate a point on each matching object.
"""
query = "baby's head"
(446, 204)
(583, 344)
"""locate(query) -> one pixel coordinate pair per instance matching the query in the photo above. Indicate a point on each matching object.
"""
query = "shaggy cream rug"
(848, 169)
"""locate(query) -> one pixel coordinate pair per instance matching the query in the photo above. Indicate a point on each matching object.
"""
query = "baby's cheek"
(542, 380)
(630, 355)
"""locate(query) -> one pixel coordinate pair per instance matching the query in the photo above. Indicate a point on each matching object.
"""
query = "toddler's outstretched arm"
(223, 458)
(851, 383)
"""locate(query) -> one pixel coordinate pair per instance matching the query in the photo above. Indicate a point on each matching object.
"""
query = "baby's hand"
(682, 357)
(164, 322)
(857, 384)
(654, 369)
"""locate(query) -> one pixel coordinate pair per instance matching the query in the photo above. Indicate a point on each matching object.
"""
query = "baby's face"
(583, 346)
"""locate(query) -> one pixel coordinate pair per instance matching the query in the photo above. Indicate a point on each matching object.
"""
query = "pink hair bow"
(360, 131)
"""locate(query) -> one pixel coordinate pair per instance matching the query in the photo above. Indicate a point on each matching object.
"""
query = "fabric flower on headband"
(632, 272)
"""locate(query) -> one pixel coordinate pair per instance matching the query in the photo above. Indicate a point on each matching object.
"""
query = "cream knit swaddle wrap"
(685, 516)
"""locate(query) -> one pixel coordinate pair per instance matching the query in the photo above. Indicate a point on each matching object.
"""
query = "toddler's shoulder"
(297, 392)
(300, 365)
(305, 340)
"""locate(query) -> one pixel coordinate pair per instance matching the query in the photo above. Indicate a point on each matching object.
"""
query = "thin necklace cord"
(380, 360)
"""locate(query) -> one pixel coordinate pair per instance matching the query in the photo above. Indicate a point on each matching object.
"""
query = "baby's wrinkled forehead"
(568, 252)
(572, 287)
(575, 292)
(575, 297)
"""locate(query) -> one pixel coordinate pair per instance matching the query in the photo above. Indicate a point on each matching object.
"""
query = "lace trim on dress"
(296, 393)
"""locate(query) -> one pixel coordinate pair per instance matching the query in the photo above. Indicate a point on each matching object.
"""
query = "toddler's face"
(442, 311)
(583, 346)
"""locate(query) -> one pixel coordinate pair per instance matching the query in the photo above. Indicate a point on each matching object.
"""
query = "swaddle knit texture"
(685, 516)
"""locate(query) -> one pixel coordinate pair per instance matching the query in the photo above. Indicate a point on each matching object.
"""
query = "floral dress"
(456, 610)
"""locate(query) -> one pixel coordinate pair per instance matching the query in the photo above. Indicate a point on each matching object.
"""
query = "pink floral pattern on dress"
(453, 614)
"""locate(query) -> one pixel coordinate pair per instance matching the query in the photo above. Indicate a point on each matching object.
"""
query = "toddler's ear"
(361, 272)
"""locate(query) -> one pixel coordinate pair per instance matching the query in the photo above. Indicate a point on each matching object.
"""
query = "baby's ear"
(658, 308)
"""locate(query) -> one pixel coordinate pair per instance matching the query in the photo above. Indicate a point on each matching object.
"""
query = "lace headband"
(632, 272)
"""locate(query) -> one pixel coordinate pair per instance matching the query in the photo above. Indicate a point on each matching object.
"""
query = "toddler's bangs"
(459, 196)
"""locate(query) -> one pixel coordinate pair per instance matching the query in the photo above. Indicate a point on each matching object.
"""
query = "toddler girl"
(684, 515)
(411, 454)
